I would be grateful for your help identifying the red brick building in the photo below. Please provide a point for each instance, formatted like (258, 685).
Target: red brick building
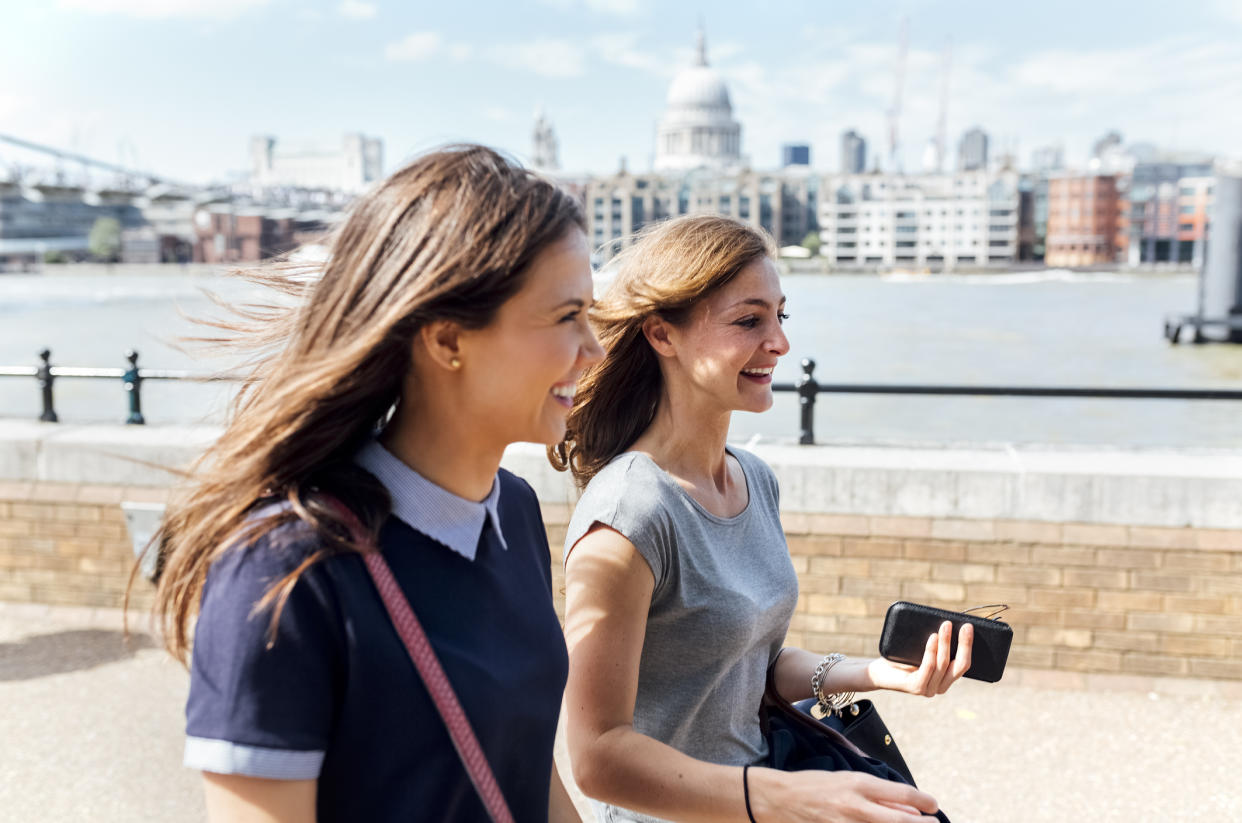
(1084, 218)
(227, 235)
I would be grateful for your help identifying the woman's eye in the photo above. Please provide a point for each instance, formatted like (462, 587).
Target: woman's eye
(781, 316)
(571, 317)
(748, 322)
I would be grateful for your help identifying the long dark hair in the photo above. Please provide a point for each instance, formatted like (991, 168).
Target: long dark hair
(449, 236)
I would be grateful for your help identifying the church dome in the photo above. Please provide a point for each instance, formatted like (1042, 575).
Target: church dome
(698, 87)
(698, 129)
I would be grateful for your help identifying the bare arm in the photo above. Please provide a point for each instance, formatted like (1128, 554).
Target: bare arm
(933, 676)
(561, 807)
(608, 594)
(235, 798)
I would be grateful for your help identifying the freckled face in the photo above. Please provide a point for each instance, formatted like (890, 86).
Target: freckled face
(729, 346)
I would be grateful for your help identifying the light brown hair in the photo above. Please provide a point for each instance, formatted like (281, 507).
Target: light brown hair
(665, 272)
(450, 236)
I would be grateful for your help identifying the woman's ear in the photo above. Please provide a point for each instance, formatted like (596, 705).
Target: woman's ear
(658, 332)
(441, 340)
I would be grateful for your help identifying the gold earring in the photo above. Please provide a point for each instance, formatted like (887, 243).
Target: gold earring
(455, 362)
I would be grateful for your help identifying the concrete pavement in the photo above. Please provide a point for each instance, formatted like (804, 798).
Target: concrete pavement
(91, 730)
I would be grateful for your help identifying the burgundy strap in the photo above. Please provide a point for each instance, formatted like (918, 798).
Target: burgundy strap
(429, 669)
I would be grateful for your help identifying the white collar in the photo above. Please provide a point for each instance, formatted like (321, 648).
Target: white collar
(433, 510)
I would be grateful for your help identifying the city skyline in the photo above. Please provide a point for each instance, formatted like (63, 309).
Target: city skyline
(179, 87)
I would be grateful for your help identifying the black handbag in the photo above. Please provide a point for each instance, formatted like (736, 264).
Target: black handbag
(862, 725)
(857, 740)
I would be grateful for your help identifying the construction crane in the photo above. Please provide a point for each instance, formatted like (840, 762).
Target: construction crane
(894, 113)
(942, 133)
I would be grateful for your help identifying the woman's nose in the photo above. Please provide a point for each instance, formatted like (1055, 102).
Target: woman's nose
(780, 343)
(592, 351)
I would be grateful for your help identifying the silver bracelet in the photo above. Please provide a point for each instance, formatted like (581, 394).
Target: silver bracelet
(829, 703)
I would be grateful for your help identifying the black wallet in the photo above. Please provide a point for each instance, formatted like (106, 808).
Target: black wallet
(908, 625)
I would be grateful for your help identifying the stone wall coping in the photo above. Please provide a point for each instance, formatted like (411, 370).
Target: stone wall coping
(98, 454)
(1151, 462)
(1176, 488)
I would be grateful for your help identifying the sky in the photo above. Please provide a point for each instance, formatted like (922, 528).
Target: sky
(177, 87)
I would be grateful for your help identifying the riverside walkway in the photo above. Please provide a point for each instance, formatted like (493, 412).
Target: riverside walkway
(92, 731)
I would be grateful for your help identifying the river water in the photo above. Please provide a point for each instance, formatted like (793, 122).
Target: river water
(1049, 328)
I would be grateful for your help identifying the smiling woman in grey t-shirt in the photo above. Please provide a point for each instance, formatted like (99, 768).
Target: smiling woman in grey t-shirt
(679, 586)
(723, 593)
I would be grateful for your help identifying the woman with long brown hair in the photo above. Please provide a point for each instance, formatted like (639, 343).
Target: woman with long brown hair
(679, 585)
(448, 321)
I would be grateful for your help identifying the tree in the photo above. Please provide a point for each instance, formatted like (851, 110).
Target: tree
(811, 243)
(104, 241)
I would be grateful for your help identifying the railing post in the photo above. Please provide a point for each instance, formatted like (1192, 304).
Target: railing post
(45, 383)
(807, 389)
(133, 387)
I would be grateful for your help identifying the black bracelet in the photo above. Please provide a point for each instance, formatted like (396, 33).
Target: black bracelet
(746, 793)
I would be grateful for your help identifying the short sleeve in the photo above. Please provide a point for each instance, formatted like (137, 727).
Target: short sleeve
(259, 705)
(625, 497)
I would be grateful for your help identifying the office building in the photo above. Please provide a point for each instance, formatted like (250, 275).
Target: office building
(352, 168)
(1083, 220)
(933, 221)
(783, 204)
(853, 153)
(795, 154)
(972, 150)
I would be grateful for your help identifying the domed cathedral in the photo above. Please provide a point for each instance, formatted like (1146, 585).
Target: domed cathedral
(698, 129)
(698, 168)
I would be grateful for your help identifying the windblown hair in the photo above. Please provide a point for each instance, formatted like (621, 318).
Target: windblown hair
(449, 236)
(669, 268)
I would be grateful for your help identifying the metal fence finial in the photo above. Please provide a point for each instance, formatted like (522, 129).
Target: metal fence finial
(45, 384)
(133, 387)
(807, 388)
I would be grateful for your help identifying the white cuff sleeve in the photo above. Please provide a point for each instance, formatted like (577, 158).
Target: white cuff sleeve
(226, 757)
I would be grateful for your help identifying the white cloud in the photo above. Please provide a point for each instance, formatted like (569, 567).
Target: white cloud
(619, 8)
(622, 49)
(547, 57)
(357, 9)
(417, 46)
(164, 9)
(424, 45)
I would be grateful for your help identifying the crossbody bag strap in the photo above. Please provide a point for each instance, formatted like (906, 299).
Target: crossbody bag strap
(429, 669)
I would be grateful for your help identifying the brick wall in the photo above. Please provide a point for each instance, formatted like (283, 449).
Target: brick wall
(1086, 600)
(1083, 598)
(67, 544)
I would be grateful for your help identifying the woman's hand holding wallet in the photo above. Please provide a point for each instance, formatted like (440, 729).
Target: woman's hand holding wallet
(908, 625)
(936, 672)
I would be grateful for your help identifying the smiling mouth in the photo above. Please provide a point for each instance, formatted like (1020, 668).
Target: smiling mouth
(564, 394)
(763, 375)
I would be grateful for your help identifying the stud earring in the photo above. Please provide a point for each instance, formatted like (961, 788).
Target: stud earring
(455, 362)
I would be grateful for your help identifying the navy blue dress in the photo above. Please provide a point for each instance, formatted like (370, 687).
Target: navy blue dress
(337, 698)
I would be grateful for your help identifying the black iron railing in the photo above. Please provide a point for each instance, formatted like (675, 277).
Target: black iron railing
(131, 380)
(806, 387)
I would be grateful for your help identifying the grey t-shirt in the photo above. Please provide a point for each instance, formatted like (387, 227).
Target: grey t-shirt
(725, 591)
